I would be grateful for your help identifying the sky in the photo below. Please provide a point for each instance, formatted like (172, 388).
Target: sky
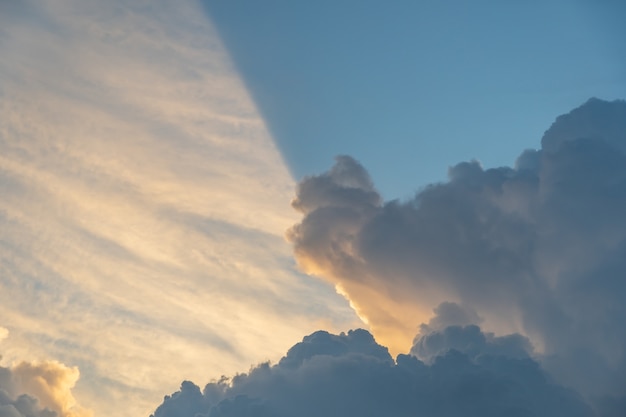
(312, 208)
(406, 87)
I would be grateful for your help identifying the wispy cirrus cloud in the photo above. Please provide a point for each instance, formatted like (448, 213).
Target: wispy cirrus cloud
(143, 203)
(49, 385)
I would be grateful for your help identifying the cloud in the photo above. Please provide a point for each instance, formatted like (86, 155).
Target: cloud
(539, 249)
(350, 374)
(451, 329)
(597, 120)
(143, 203)
(41, 389)
(450, 314)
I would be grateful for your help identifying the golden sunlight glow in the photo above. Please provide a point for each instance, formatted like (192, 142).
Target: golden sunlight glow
(143, 209)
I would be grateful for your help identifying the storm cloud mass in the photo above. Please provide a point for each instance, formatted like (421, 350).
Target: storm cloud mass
(538, 249)
(351, 375)
(524, 268)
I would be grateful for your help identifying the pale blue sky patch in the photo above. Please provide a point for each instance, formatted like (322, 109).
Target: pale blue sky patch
(412, 87)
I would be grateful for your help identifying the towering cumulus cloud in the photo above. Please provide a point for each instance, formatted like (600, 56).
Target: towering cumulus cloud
(539, 248)
(524, 270)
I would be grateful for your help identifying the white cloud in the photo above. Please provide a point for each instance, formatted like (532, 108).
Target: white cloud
(143, 203)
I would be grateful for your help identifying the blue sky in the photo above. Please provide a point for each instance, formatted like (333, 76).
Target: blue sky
(412, 87)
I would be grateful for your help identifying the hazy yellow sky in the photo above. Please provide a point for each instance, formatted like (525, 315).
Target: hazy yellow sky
(143, 208)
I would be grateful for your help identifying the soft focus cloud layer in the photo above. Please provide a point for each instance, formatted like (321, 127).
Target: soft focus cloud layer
(143, 205)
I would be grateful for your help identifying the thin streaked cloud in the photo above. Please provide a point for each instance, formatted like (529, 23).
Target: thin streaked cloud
(143, 204)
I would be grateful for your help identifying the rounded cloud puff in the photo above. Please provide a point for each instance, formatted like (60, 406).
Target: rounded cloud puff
(39, 389)
(351, 375)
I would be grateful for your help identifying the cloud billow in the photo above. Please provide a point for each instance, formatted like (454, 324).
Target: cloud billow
(39, 389)
(539, 248)
(350, 374)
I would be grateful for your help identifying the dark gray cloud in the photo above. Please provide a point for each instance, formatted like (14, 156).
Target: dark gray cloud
(539, 248)
(451, 314)
(351, 375)
(452, 328)
(597, 120)
(22, 406)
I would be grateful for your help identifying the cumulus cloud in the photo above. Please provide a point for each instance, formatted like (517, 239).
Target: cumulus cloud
(350, 374)
(39, 389)
(450, 314)
(451, 329)
(539, 249)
